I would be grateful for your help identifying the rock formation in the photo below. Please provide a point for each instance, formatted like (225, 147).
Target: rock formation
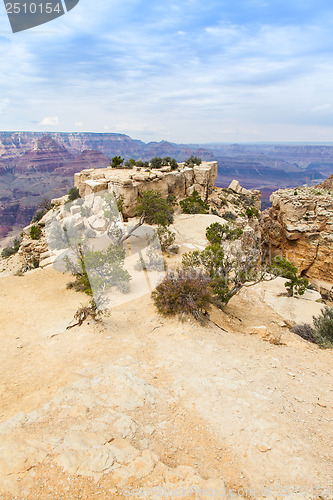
(300, 227)
(129, 183)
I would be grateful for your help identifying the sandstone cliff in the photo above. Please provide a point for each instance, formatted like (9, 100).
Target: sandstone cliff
(129, 183)
(300, 226)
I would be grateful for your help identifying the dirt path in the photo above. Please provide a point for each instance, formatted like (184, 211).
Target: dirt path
(145, 402)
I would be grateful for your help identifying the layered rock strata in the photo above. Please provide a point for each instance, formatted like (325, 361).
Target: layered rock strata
(299, 225)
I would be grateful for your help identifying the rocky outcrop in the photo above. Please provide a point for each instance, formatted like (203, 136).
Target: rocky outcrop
(328, 184)
(300, 226)
(129, 183)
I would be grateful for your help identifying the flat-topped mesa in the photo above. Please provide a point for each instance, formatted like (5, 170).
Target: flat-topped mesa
(300, 226)
(129, 183)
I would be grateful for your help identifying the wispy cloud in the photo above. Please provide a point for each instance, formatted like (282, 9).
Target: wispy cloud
(50, 120)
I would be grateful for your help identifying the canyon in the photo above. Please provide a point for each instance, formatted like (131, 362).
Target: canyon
(37, 165)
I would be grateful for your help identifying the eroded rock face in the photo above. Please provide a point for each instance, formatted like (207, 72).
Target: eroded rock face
(129, 183)
(299, 225)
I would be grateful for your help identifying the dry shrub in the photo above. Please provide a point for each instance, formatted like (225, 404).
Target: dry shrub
(184, 293)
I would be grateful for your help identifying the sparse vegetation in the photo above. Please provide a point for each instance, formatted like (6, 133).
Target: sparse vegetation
(158, 162)
(184, 293)
(73, 194)
(116, 162)
(154, 209)
(251, 212)
(192, 160)
(282, 267)
(217, 232)
(323, 326)
(43, 208)
(166, 237)
(142, 164)
(194, 204)
(305, 331)
(229, 216)
(130, 163)
(11, 249)
(35, 232)
(322, 331)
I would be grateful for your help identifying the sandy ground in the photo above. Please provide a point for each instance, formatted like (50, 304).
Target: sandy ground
(238, 408)
(140, 401)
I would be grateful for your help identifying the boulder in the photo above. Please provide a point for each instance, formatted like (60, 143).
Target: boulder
(235, 186)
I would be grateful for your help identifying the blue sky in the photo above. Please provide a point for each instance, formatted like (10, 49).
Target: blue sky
(185, 71)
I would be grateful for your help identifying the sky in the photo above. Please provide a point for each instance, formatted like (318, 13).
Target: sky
(188, 71)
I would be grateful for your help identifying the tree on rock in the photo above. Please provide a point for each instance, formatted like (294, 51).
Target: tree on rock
(116, 161)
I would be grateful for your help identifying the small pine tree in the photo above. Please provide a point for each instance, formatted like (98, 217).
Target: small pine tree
(194, 204)
(154, 209)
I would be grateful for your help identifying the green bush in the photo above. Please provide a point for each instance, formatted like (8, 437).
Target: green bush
(282, 267)
(156, 162)
(192, 160)
(216, 266)
(35, 232)
(142, 164)
(217, 232)
(154, 209)
(73, 194)
(98, 270)
(323, 327)
(251, 212)
(184, 293)
(116, 162)
(12, 249)
(194, 204)
(166, 237)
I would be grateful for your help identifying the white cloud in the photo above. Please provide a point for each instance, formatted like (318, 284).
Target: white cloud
(79, 124)
(50, 120)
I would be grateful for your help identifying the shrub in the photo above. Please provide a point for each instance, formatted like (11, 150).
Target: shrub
(120, 202)
(156, 162)
(323, 326)
(166, 237)
(251, 212)
(35, 232)
(116, 161)
(142, 164)
(154, 209)
(215, 265)
(215, 233)
(192, 160)
(73, 194)
(224, 201)
(194, 204)
(183, 293)
(12, 249)
(305, 331)
(282, 267)
(173, 164)
(45, 204)
(229, 216)
(98, 270)
(38, 216)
